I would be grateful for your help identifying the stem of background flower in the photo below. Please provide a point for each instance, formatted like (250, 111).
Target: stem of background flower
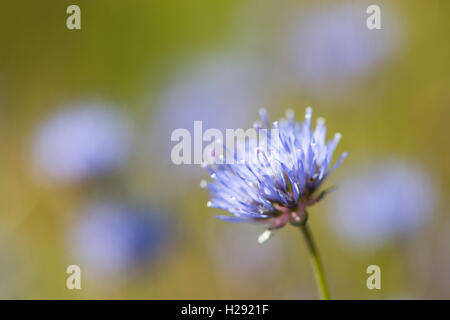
(315, 260)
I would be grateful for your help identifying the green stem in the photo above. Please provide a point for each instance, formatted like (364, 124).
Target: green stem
(315, 260)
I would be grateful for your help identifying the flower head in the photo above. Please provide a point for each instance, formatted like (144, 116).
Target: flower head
(280, 180)
(331, 46)
(408, 201)
(113, 238)
(80, 141)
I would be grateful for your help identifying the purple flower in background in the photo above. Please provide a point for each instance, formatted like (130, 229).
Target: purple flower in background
(331, 47)
(382, 202)
(112, 238)
(208, 90)
(212, 90)
(80, 141)
(278, 185)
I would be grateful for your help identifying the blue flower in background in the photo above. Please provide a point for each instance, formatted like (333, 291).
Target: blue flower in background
(278, 185)
(381, 203)
(212, 90)
(113, 238)
(208, 90)
(80, 141)
(331, 48)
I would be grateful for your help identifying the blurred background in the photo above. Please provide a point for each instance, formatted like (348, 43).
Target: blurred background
(85, 123)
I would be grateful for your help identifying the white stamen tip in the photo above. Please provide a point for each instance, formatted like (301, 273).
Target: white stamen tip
(308, 113)
(209, 204)
(203, 184)
(264, 236)
(338, 135)
(257, 125)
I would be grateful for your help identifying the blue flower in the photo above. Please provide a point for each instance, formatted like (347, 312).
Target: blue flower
(80, 141)
(212, 89)
(282, 180)
(331, 47)
(383, 202)
(113, 238)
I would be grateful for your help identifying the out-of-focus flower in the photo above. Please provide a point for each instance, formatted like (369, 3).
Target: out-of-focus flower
(80, 141)
(213, 91)
(382, 202)
(330, 47)
(114, 239)
(210, 91)
(280, 182)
